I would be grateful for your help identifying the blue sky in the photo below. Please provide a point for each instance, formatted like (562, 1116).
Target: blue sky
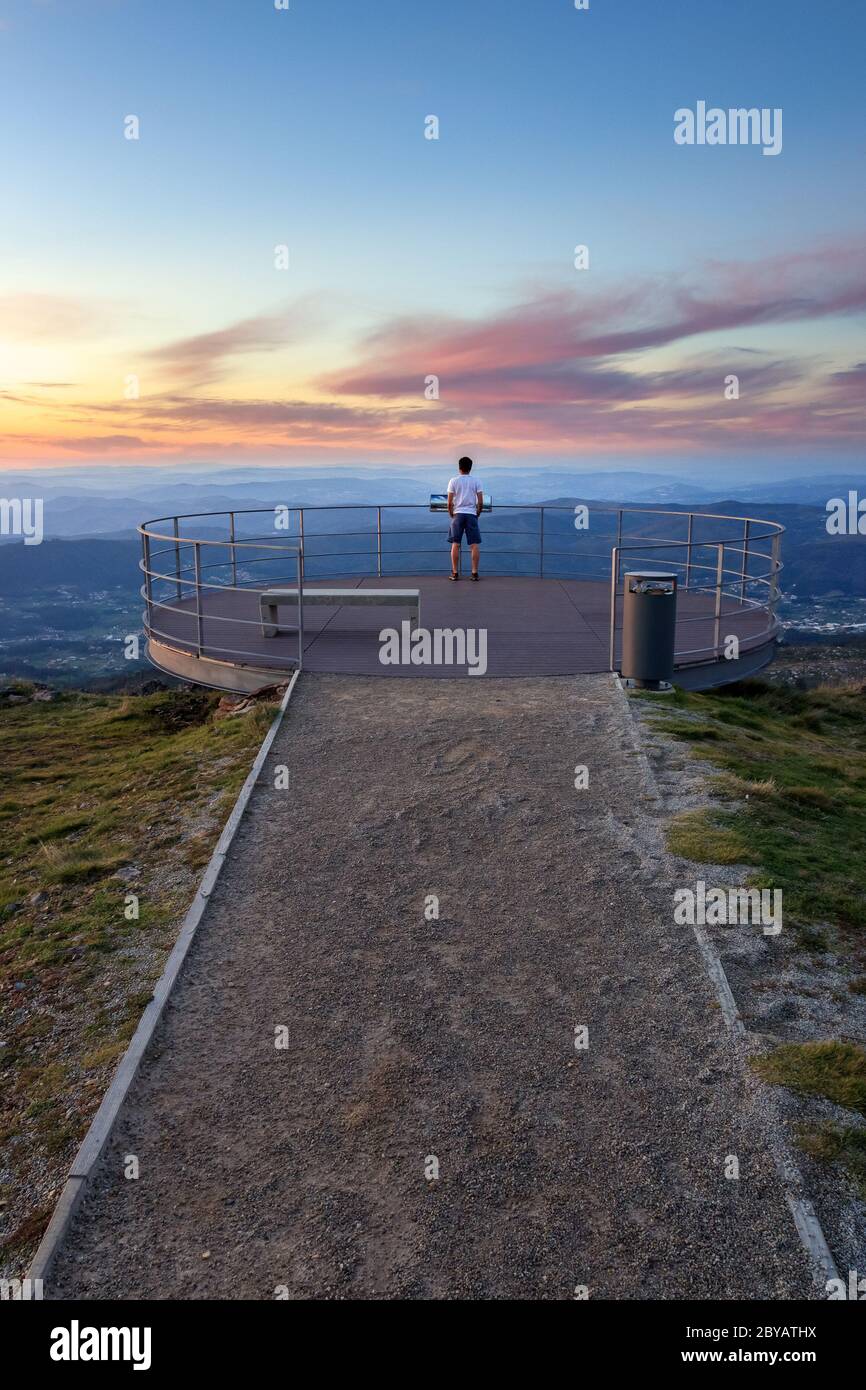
(306, 127)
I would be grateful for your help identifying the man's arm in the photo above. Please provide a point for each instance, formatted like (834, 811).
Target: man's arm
(450, 502)
(479, 501)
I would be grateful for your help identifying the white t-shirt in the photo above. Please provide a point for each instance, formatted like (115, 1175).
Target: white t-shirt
(466, 491)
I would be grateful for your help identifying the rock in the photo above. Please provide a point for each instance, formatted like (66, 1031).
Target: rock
(779, 1011)
(239, 704)
(228, 707)
(269, 693)
(36, 899)
(128, 872)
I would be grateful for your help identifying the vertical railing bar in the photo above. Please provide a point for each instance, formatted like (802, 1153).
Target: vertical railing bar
(300, 566)
(689, 550)
(198, 608)
(720, 572)
(541, 548)
(614, 580)
(774, 577)
(379, 541)
(744, 568)
(148, 587)
(233, 542)
(301, 535)
(177, 556)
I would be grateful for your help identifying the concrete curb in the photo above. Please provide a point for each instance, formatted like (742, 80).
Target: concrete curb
(103, 1121)
(806, 1220)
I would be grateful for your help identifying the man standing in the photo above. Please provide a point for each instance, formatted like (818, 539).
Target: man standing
(465, 500)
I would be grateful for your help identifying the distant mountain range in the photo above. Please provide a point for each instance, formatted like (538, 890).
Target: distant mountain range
(81, 503)
(816, 564)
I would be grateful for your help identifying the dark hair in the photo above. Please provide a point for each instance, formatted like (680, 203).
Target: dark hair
(464, 464)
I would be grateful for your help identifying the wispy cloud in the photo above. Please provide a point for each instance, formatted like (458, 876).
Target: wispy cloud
(41, 318)
(103, 443)
(572, 345)
(639, 367)
(204, 357)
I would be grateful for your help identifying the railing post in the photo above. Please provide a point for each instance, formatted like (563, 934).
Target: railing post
(148, 588)
(379, 541)
(774, 578)
(541, 548)
(744, 568)
(198, 608)
(301, 537)
(689, 550)
(300, 563)
(720, 574)
(177, 558)
(619, 528)
(234, 550)
(614, 579)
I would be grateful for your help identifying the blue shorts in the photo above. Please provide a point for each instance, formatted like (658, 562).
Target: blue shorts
(467, 523)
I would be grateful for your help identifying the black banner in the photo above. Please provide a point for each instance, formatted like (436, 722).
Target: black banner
(158, 1337)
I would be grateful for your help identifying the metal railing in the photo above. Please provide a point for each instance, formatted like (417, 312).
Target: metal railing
(725, 565)
(186, 620)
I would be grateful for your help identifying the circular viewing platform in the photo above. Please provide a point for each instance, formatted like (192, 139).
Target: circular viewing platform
(549, 601)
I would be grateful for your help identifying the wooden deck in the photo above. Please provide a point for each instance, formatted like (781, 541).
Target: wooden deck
(535, 627)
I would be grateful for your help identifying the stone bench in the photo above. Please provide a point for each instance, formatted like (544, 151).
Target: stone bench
(269, 599)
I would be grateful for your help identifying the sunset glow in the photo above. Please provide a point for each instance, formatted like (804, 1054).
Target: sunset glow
(143, 315)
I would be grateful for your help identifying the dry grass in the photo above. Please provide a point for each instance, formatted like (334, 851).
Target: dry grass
(835, 1070)
(696, 835)
(104, 796)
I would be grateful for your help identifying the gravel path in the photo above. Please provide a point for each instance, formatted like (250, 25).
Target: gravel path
(306, 1168)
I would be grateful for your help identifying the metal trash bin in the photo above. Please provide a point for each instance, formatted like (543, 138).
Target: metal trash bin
(649, 621)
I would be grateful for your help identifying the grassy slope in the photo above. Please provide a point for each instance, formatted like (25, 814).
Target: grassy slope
(101, 796)
(792, 763)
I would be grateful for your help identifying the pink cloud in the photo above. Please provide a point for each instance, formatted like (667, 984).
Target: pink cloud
(568, 371)
(570, 345)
